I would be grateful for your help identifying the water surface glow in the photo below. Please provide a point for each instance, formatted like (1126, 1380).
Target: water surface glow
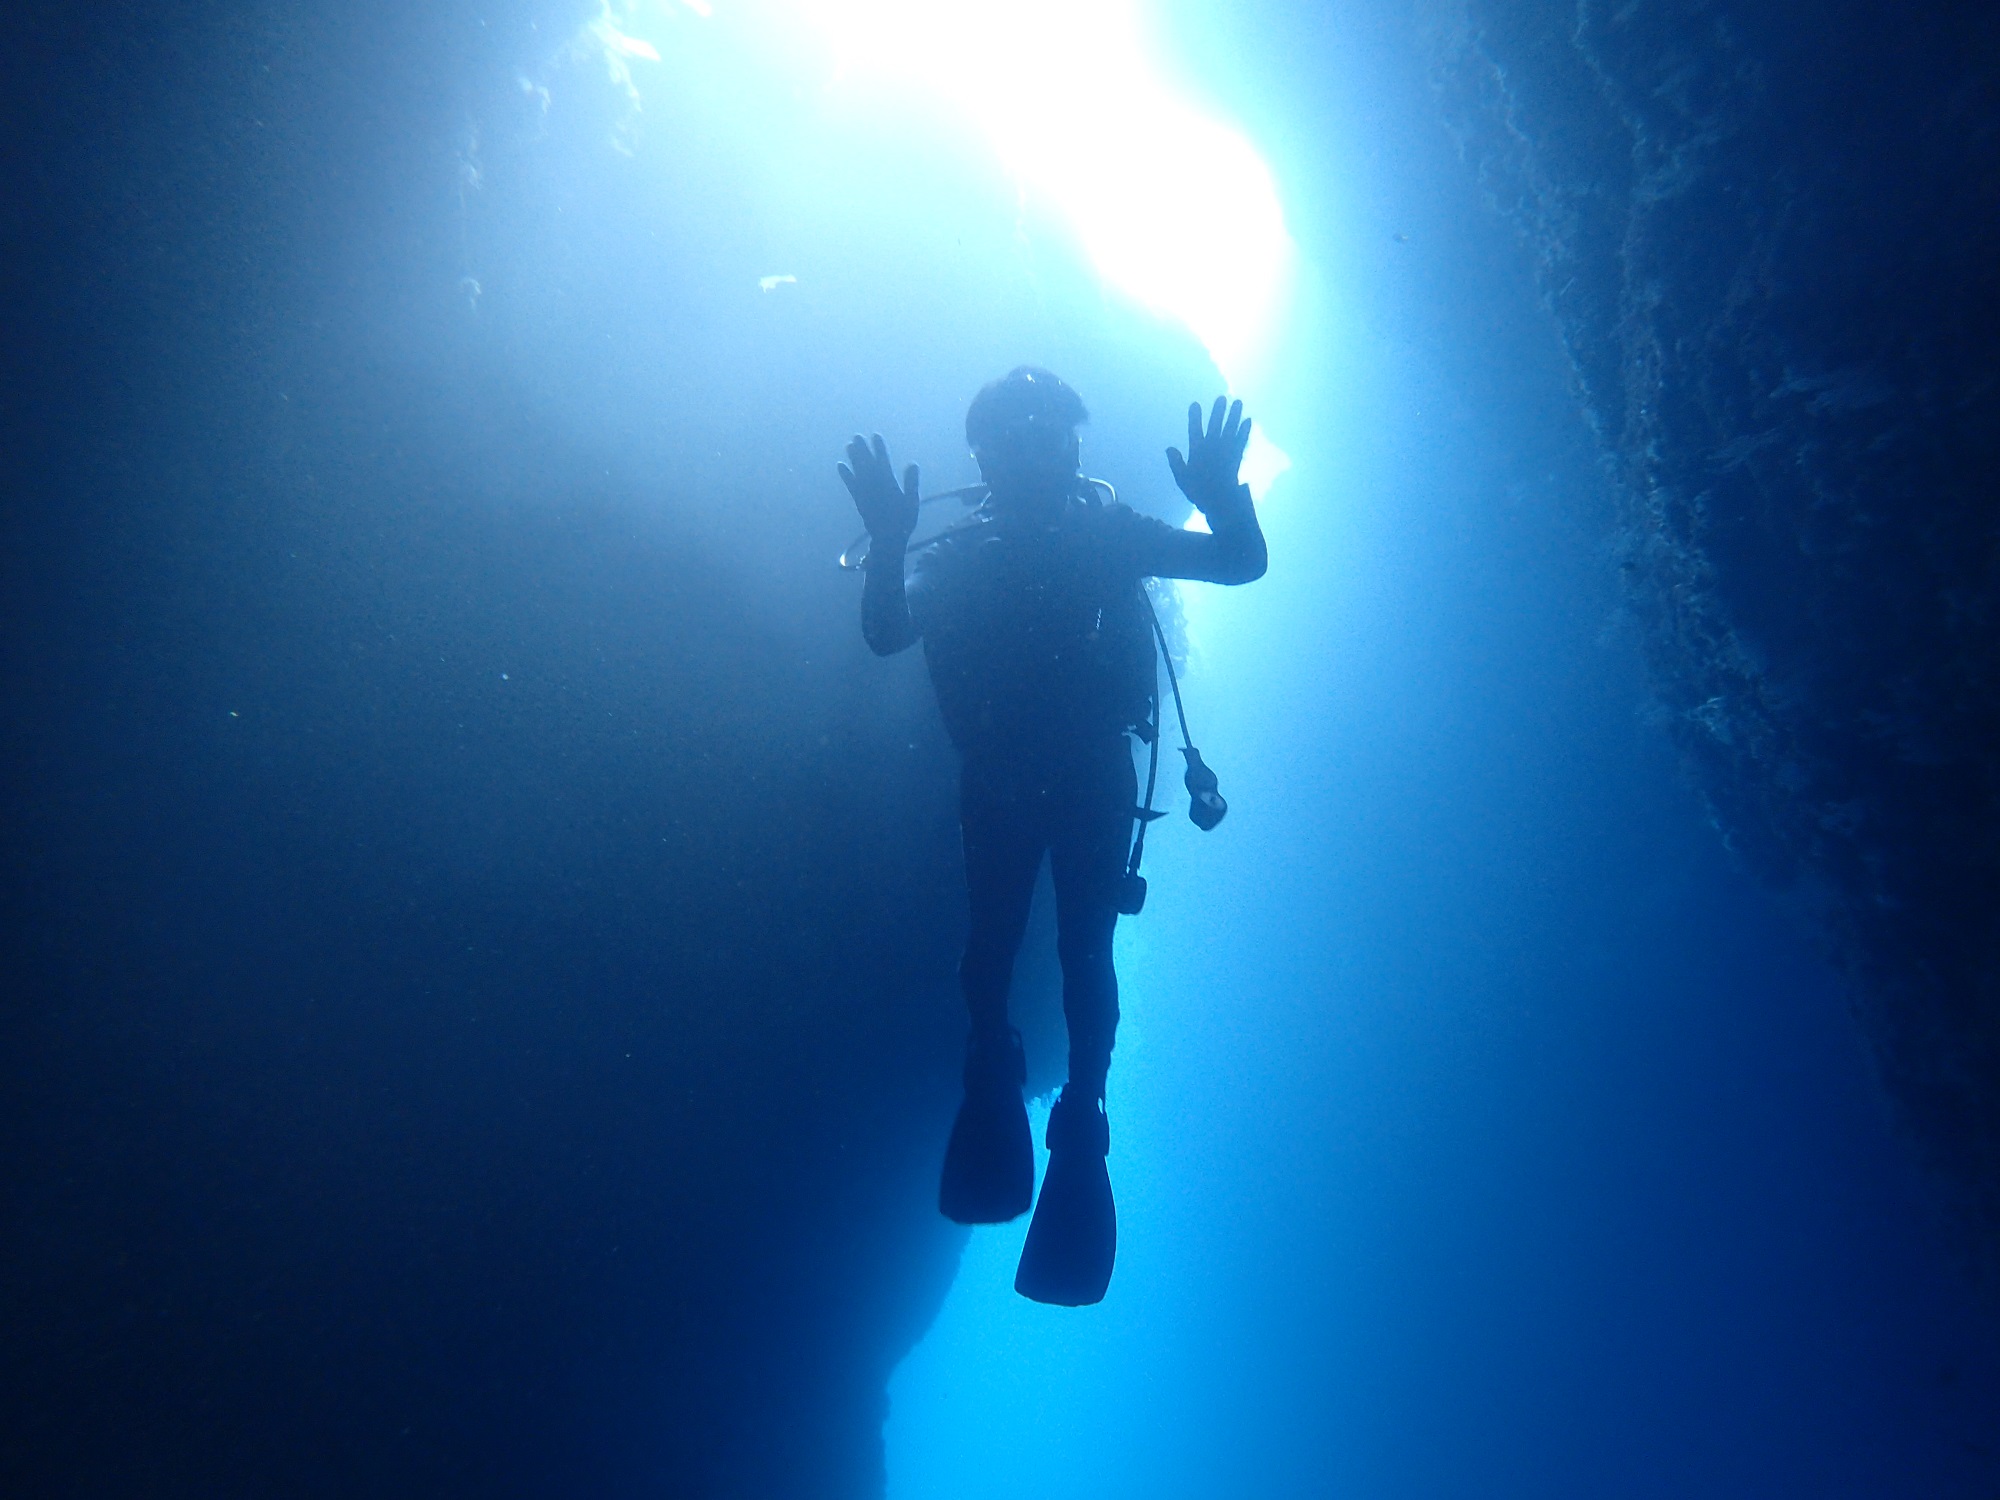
(1172, 206)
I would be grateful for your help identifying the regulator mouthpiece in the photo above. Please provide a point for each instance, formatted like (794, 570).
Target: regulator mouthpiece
(1206, 807)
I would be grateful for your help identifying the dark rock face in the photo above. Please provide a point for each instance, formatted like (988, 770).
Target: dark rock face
(477, 943)
(478, 927)
(1770, 234)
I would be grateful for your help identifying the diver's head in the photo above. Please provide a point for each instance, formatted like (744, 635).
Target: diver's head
(1022, 428)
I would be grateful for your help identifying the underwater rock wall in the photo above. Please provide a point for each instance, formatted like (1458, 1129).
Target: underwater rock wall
(1770, 236)
(477, 929)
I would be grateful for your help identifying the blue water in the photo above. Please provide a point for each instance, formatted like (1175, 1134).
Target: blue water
(486, 922)
(1479, 1128)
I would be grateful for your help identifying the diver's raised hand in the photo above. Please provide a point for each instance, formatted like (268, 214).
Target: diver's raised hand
(1207, 476)
(889, 513)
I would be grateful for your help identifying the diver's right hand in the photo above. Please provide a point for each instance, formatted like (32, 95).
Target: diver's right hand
(889, 513)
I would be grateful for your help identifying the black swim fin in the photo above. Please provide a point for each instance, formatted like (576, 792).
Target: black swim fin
(989, 1164)
(1073, 1238)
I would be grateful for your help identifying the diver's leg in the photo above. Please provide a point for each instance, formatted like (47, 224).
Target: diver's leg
(989, 1163)
(1003, 853)
(1087, 851)
(1074, 1237)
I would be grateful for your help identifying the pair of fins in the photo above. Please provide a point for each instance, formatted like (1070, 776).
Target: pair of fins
(989, 1177)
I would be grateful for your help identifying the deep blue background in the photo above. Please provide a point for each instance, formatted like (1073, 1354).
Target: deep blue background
(479, 924)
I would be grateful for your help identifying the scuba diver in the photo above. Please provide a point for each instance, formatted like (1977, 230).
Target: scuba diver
(1039, 640)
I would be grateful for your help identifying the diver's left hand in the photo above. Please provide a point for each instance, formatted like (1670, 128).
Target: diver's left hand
(1207, 476)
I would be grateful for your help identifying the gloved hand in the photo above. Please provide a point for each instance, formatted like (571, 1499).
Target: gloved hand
(889, 513)
(1207, 476)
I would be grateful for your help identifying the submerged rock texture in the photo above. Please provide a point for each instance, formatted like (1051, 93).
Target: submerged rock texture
(478, 926)
(1770, 234)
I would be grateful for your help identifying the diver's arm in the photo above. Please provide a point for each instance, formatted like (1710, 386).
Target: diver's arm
(885, 604)
(1231, 551)
(890, 513)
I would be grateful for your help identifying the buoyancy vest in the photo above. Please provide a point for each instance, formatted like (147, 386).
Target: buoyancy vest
(1037, 635)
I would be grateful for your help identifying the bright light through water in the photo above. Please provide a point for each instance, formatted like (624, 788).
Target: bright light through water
(1066, 94)
(1175, 211)
(1173, 207)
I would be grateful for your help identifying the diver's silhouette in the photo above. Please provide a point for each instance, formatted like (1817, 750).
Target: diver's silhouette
(1037, 634)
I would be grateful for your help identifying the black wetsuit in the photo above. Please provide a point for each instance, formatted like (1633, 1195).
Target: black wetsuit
(1040, 649)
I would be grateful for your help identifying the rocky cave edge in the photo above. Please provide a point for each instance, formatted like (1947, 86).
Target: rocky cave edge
(1770, 237)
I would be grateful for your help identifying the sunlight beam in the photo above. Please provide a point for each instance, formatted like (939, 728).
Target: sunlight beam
(1173, 207)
